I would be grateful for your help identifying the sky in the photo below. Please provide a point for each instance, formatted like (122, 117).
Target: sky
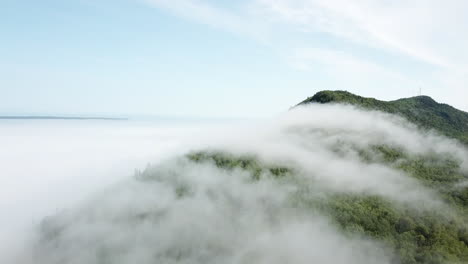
(207, 58)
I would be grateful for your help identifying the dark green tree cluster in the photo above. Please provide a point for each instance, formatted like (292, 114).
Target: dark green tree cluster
(415, 237)
(440, 172)
(249, 163)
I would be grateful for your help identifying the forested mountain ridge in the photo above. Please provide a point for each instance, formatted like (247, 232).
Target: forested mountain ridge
(420, 110)
(326, 183)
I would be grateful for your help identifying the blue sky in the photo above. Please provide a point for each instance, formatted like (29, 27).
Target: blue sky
(207, 58)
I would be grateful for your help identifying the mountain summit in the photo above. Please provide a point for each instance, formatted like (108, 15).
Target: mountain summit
(420, 110)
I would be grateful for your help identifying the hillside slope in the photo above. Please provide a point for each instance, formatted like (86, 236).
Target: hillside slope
(421, 110)
(326, 183)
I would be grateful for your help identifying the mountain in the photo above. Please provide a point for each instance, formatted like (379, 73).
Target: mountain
(420, 110)
(320, 184)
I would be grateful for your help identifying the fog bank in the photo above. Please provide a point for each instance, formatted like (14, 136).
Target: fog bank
(182, 211)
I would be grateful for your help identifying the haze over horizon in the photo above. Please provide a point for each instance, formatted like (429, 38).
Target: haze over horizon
(248, 58)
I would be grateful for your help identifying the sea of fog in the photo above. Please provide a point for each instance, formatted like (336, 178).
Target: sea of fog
(49, 165)
(79, 176)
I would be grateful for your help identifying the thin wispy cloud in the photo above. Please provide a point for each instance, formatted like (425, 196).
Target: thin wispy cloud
(429, 33)
(207, 13)
(399, 26)
(339, 61)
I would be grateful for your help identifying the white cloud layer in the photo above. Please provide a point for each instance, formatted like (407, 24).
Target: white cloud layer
(50, 165)
(179, 211)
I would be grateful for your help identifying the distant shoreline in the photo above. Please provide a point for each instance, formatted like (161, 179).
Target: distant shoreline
(62, 118)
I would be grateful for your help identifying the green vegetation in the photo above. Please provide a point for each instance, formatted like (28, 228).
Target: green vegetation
(414, 236)
(250, 164)
(436, 171)
(420, 110)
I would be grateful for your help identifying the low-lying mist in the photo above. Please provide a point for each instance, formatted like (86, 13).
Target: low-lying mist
(244, 193)
(47, 166)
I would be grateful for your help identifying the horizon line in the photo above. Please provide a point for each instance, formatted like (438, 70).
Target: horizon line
(58, 117)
